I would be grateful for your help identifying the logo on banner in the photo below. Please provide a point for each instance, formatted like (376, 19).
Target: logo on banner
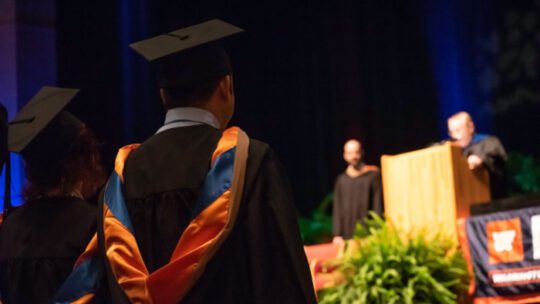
(505, 242)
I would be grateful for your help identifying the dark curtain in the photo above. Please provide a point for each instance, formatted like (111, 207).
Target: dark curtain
(516, 66)
(307, 77)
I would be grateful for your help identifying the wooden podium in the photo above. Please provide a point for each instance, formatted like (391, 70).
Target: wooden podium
(431, 188)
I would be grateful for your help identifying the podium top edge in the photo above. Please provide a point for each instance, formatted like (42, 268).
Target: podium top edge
(429, 150)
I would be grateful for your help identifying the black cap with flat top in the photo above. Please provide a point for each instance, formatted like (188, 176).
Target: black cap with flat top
(36, 115)
(190, 55)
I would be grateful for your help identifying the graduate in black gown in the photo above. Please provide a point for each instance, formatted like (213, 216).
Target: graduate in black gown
(262, 260)
(357, 191)
(40, 240)
(481, 150)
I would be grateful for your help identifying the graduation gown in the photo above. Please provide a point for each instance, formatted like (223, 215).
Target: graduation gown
(354, 197)
(261, 261)
(494, 157)
(39, 243)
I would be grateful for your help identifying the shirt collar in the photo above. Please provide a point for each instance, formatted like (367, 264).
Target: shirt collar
(188, 116)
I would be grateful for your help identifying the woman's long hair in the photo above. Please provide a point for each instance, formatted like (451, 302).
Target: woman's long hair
(82, 164)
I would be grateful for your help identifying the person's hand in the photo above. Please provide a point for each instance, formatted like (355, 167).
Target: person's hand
(337, 240)
(474, 161)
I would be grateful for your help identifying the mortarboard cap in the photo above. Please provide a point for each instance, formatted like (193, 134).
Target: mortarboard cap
(190, 55)
(37, 115)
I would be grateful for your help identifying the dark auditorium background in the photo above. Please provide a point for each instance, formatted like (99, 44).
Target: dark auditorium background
(308, 74)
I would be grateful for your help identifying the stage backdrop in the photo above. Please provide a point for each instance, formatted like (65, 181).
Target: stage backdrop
(310, 74)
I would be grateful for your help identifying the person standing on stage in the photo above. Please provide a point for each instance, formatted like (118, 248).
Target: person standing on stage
(357, 191)
(481, 150)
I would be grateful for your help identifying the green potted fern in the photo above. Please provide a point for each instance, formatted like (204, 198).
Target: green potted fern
(390, 267)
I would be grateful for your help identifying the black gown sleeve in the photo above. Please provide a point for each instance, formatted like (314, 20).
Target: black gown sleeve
(377, 195)
(336, 209)
(278, 263)
(493, 155)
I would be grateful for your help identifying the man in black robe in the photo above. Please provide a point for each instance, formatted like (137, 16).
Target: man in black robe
(262, 260)
(481, 150)
(357, 191)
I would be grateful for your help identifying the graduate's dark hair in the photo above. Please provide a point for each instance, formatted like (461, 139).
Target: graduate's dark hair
(190, 96)
(62, 174)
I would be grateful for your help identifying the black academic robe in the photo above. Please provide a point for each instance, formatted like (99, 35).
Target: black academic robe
(262, 260)
(39, 244)
(354, 197)
(493, 156)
